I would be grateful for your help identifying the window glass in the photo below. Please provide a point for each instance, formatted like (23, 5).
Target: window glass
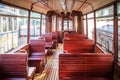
(65, 25)
(60, 24)
(44, 16)
(119, 38)
(118, 31)
(13, 28)
(53, 23)
(90, 25)
(118, 7)
(43, 24)
(21, 12)
(34, 25)
(105, 12)
(76, 23)
(70, 25)
(10, 24)
(104, 29)
(15, 23)
(23, 27)
(35, 15)
(85, 24)
(90, 15)
(4, 23)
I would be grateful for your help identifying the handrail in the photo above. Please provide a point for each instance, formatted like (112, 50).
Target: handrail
(88, 3)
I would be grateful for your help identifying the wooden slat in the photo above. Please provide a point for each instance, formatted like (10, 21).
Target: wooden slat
(85, 65)
(51, 68)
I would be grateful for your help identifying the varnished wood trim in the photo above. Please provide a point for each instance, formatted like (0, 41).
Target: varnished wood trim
(86, 26)
(109, 4)
(94, 27)
(82, 5)
(28, 37)
(115, 32)
(98, 49)
(40, 24)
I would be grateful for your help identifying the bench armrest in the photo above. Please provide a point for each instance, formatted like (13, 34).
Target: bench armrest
(31, 72)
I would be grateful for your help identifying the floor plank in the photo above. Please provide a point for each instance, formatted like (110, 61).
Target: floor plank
(51, 68)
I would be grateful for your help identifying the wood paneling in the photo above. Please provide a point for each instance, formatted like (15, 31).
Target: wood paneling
(97, 49)
(116, 72)
(58, 6)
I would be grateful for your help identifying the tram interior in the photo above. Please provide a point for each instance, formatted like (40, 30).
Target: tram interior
(59, 40)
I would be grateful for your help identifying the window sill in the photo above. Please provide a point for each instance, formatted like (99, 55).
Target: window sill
(118, 64)
(18, 48)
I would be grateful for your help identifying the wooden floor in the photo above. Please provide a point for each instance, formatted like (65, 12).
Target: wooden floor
(51, 68)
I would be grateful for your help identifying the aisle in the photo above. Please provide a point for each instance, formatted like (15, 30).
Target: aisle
(51, 69)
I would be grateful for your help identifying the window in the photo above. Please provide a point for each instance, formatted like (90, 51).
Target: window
(60, 24)
(76, 23)
(90, 25)
(15, 23)
(85, 24)
(104, 28)
(70, 25)
(20, 37)
(10, 23)
(53, 23)
(23, 27)
(118, 39)
(4, 24)
(118, 31)
(35, 25)
(65, 25)
(105, 12)
(43, 24)
(13, 28)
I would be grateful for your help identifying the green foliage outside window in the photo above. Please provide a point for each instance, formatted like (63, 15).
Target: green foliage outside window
(23, 13)
(105, 12)
(118, 7)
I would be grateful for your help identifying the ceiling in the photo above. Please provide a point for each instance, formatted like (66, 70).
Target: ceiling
(43, 6)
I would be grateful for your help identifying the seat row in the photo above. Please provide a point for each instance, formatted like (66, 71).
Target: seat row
(15, 67)
(85, 66)
(37, 53)
(31, 58)
(78, 43)
(84, 60)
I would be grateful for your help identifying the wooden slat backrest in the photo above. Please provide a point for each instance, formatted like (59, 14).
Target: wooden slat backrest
(84, 43)
(1, 75)
(37, 45)
(82, 46)
(80, 50)
(14, 65)
(85, 65)
(48, 37)
(55, 36)
(75, 36)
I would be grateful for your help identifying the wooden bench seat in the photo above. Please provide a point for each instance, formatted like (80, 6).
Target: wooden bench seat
(14, 79)
(37, 57)
(85, 66)
(81, 46)
(55, 39)
(48, 42)
(36, 53)
(15, 67)
(48, 39)
(78, 50)
(37, 46)
(38, 62)
(75, 36)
